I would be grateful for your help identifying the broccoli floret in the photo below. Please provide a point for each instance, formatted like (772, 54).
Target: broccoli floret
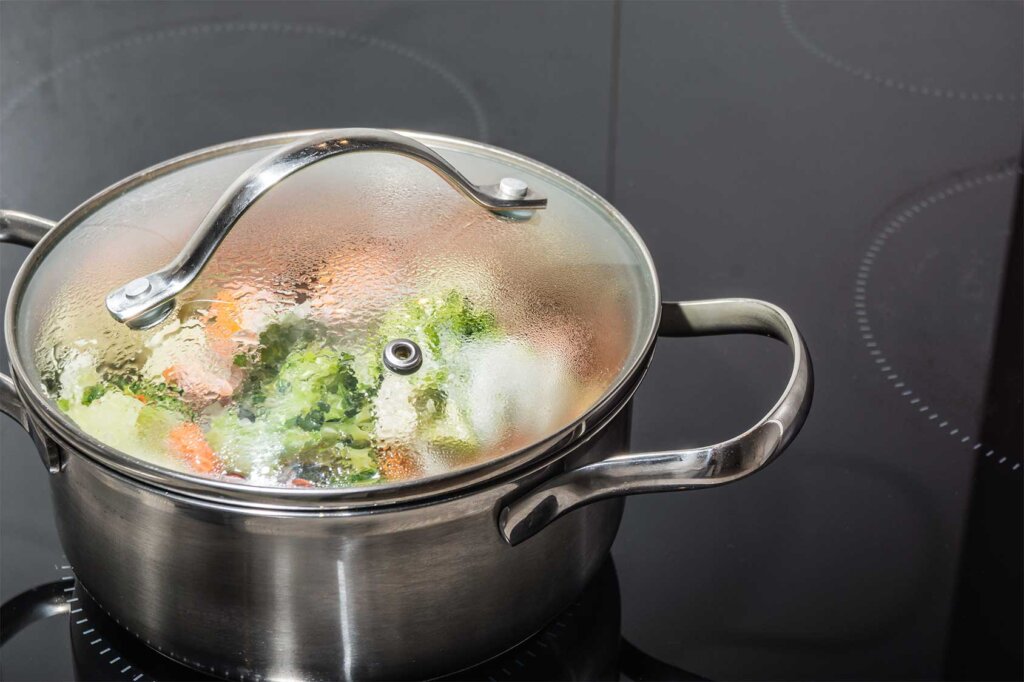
(342, 466)
(302, 401)
(92, 393)
(452, 435)
(455, 315)
(315, 384)
(276, 343)
(157, 393)
(432, 321)
(440, 325)
(429, 396)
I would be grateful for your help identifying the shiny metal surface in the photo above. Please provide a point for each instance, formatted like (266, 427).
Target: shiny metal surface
(22, 228)
(13, 407)
(10, 401)
(61, 430)
(413, 591)
(146, 301)
(25, 229)
(683, 469)
(402, 356)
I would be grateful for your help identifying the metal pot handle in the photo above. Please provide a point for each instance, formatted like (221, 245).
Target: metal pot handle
(22, 228)
(25, 230)
(683, 469)
(147, 300)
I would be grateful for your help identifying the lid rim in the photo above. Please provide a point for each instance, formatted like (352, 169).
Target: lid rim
(356, 497)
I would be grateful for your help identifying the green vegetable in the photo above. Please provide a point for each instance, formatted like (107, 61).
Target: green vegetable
(154, 424)
(308, 407)
(315, 383)
(301, 402)
(344, 466)
(92, 393)
(153, 392)
(429, 396)
(440, 325)
(433, 322)
(276, 343)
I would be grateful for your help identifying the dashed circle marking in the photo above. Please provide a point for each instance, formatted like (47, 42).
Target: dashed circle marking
(884, 80)
(861, 287)
(202, 30)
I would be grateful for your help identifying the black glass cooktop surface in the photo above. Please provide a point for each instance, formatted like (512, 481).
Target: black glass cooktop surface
(857, 163)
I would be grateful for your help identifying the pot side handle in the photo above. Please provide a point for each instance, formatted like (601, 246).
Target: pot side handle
(702, 467)
(22, 228)
(25, 230)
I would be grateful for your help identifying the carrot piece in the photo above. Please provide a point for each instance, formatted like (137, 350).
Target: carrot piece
(301, 483)
(172, 375)
(225, 316)
(395, 464)
(141, 398)
(188, 444)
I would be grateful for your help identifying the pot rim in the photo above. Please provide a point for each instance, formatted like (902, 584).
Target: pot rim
(447, 484)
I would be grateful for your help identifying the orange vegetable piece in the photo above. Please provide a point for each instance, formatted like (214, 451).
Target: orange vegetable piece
(396, 464)
(225, 318)
(172, 375)
(301, 483)
(188, 444)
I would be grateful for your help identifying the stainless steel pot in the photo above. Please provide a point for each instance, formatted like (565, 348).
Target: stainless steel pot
(412, 581)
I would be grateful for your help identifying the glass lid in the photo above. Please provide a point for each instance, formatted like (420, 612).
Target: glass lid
(281, 313)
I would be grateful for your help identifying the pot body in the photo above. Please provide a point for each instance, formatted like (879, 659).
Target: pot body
(397, 593)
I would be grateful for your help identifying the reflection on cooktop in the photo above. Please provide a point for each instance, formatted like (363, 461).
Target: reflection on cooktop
(582, 643)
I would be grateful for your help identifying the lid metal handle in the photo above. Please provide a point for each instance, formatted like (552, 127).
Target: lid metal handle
(148, 300)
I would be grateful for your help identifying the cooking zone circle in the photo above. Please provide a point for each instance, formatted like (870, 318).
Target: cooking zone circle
(216, 31)
(901, 23)
(94, 99)
(910, 222)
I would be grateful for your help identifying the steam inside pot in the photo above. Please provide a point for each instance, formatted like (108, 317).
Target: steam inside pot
(270, 369)
(243, 389)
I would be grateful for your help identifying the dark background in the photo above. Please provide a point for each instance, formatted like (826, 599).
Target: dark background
(855, 162)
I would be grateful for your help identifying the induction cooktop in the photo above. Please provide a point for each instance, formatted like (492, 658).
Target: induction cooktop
(857, 163)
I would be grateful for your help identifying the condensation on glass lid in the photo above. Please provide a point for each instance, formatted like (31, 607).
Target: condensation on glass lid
(278, 379)
(270, 370)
